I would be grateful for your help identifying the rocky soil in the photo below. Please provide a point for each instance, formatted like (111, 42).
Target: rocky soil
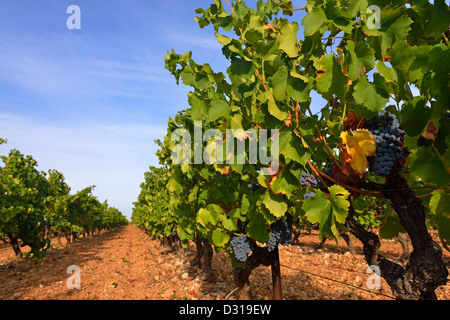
(126, 264)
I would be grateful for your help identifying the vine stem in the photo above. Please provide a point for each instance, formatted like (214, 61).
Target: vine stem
(445, 39)
(425, 195)
(316, 172)
(256, 125)
(328, 148)
(231, 8)
(260, 77)
(356, 190)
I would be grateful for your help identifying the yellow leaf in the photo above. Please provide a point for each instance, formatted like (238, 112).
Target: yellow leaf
(358, 145)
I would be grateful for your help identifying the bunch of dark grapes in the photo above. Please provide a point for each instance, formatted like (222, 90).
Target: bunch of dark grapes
(308, 180)
(242, 246)
(389, 143)
(280, 233)
(309, 195)
(253, 187)
(174, 231)
(328, 171)
(274, 239)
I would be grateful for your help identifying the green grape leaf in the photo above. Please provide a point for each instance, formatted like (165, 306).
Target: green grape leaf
(440, 203)
(391, 227)
(206, 217)
(257, 228)
(356, 7)
(443, 225)
(415, 116)
(285, 182)
(362, 59)
(198, 107)
(219, 109)
(299, 88)
(374, 96)
(314, 20)
(223, 40)
(339, 17)
(426, 163)
(330, 79)
(438, 19)
(440, 214)
(394, 27)
(288, 39)
(389, 74)
(328, 212)
(219, 238)
(279, 84)
(340, 204)
(275, 203)
(229, 224)
(291, 147)
(240, 71)
(273, 108)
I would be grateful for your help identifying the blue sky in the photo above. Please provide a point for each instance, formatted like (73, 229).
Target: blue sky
(90, 103)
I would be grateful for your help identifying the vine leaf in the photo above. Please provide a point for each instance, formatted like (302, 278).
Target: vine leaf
(288, 39)
(284, 182)
(330, 78)
(279, 83)
(220, 237)
(431, 131)
(440, 214)
(219, 108)
(391, 227)
(373, 96)
(275, 203)
(415, 116)
(199, 108)
(314, 20)
(273, 108)
(426, 163)
(362, 58)
(257, 228)
(328, 212)
(358, 145)
(353, 122)
(292, 147)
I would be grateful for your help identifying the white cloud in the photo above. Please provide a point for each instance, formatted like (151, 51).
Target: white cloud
(57, 65)
(197, 41)
(113, 157)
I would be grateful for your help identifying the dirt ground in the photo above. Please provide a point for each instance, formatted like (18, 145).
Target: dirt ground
(126, 264)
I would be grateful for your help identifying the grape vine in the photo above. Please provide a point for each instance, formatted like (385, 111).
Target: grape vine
(358, 147)
(389, 143)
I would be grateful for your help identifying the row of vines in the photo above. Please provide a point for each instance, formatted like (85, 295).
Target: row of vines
(37, 207)
(376, 153)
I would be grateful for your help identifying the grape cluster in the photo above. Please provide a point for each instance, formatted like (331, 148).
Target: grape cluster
(280, 233)
(389, 143)
(308, 180)
(242, 247)
(273, 240)
(328, 171)
(308, 195)
(253, 187)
